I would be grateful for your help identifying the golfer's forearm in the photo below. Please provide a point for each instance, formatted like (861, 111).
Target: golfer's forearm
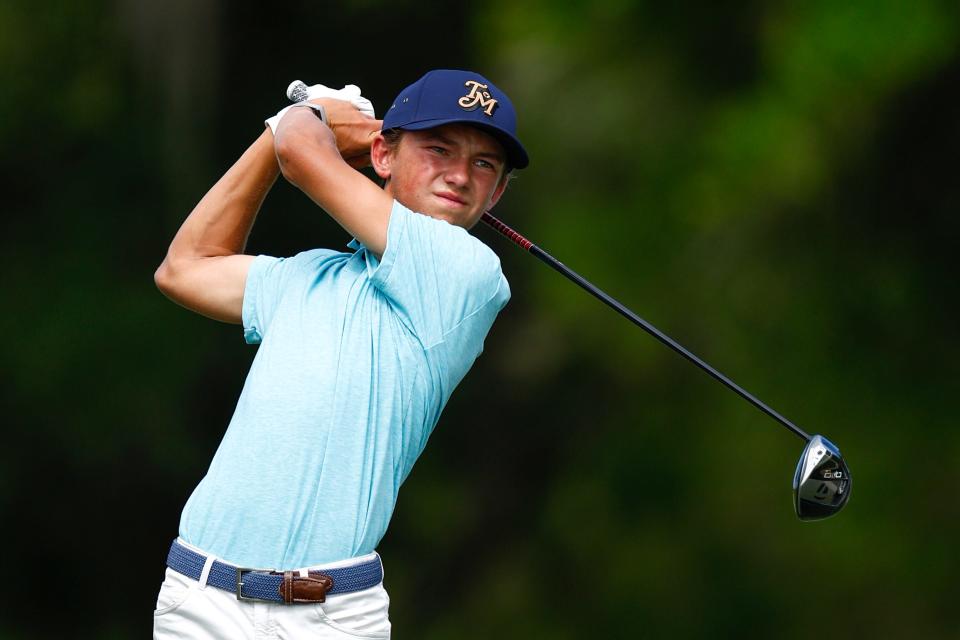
(221, 222)
(300, 137)
(308, 155)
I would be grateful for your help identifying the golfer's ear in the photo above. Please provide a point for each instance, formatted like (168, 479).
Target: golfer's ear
(381, 156)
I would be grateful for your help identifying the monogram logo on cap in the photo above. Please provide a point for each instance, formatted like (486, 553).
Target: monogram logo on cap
(477, 98)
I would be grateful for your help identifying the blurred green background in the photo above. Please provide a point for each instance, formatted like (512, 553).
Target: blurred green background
(774, 184)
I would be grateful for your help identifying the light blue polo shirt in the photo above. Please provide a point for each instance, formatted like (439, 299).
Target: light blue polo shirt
(357, 359)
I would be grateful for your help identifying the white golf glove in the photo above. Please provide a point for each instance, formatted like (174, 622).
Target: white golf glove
(350, 93)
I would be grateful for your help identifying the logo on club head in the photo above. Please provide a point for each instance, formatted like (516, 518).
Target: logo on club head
(833, 474)
(477, 98)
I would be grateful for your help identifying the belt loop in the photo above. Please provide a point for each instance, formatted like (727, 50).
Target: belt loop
(206, 571)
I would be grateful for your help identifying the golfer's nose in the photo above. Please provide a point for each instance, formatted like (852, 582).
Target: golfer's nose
(458, 172)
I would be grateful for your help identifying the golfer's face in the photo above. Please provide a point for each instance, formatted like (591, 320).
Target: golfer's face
(451, 172)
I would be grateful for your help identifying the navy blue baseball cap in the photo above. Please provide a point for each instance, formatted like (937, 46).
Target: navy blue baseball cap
(445, 96)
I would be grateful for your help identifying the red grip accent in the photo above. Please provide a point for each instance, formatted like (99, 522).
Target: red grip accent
(522, 242)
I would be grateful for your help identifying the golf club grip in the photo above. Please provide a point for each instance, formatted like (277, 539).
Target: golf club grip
(572, 275)
(297, 91)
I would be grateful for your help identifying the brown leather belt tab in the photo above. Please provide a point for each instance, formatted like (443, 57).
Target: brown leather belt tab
(298, 589)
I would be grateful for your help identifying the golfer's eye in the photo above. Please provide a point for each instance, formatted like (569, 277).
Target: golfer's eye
(485, 165)
(439, 150)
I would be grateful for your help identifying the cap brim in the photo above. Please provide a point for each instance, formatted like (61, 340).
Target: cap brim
(516, 155)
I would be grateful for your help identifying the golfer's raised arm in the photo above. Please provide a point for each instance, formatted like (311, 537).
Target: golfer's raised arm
(310, 159)
(204, 269)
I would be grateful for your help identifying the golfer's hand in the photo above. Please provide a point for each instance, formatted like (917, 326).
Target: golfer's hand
(350, 93)
(354, 130)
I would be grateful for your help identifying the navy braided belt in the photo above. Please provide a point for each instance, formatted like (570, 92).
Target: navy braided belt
(276, 586)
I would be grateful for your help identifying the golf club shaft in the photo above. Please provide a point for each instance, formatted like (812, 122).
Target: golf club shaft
(545, 257)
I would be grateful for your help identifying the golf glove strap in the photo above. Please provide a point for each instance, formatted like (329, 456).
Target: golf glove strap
(350, 93)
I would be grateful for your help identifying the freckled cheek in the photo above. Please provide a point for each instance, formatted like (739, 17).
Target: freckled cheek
(432, 164)
(487, 184)
(420, 182)
(428, 172)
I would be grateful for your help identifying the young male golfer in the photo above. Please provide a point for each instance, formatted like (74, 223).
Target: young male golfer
(359, 353)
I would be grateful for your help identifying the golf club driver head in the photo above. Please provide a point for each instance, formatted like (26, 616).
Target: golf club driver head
(821, 485)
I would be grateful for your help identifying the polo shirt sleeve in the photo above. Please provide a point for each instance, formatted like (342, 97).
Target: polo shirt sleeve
(446, 283)
(265, 280)
(268, 280)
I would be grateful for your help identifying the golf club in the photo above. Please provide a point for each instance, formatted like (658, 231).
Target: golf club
(821, 483)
